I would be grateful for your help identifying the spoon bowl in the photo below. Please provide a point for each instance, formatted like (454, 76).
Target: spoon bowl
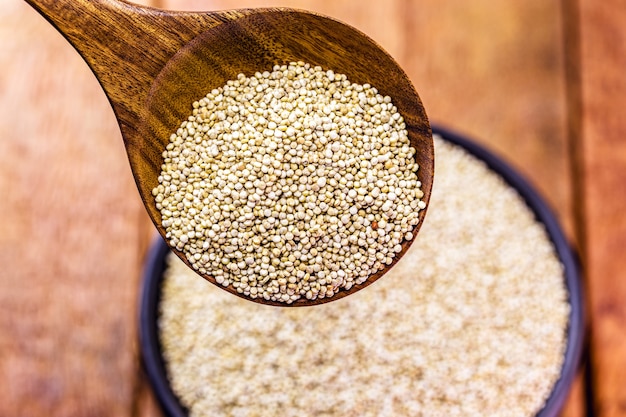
(153, 64)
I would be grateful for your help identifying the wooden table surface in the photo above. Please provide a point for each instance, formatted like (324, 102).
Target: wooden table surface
(541, 82)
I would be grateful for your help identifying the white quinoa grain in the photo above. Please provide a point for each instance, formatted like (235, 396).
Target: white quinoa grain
(471, 322)
(278, 162)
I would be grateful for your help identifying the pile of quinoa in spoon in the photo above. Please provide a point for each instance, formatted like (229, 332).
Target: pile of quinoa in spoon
(291, 183)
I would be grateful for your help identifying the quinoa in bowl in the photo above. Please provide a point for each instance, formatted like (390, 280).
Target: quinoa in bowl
(483, 317)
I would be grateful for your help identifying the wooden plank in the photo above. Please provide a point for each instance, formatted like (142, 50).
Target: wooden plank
(71, 226)
(575, 406)
(597, 45)
(145, 402)
(68, 332)
(495, 71)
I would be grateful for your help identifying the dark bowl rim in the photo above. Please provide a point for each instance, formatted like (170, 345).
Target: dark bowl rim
(150, 350)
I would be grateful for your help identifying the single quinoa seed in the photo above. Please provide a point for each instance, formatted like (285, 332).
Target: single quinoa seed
(271, 183)
(478, 329)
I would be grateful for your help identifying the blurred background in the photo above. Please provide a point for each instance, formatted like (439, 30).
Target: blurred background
(540, 82)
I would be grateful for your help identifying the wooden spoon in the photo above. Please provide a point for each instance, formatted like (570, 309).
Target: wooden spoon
(153, 64)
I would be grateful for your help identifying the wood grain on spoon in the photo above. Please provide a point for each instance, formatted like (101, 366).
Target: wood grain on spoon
(152, 65)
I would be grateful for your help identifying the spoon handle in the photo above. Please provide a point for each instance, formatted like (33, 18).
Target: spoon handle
(123, 44)
(126, 45)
